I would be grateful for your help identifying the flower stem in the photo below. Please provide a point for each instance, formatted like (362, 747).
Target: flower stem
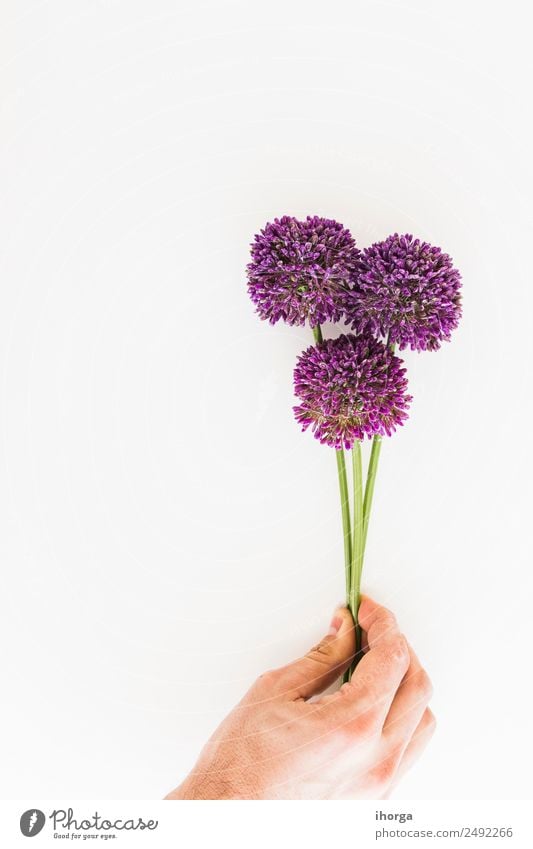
(370, 481)
(345, 510)
(372, 470)
(357, 542)
(317, 333)
(345, 505)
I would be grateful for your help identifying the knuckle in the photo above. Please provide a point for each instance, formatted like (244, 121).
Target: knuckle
(387, 616)
(395, 648)
(401, 645)
(430, 722)
(267, 679)
(363, 718)
(366, 722)
(357, 717)
(321, 653)
(386, 622)
(423, 684)
(383, 772)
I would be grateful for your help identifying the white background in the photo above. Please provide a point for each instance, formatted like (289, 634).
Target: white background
(166, 530)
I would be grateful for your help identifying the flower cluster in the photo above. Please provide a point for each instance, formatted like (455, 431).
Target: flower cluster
(350, 387)
(401, 290)
(408, 291)
(399, 293)
(302, 270)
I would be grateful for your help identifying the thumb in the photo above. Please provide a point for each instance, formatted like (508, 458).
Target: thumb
(323, 664)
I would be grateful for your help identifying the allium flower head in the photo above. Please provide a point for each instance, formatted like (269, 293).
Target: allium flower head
(350, 387)
(301, 270)
(408, 290)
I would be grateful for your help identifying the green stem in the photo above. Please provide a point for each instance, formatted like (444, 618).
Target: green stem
(370, 482)
(372, 471)
(345, 510)
(345, 503)
(357, 541)
(317, 333)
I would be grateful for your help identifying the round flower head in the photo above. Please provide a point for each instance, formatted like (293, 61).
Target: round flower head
(301, 270)
(350, 387)
(408, 290)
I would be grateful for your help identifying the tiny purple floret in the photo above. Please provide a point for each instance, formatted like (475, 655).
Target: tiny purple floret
(350, 387)
(301, 270)
(407, 291)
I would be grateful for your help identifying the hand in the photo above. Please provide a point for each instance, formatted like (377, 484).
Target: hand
(281, 743)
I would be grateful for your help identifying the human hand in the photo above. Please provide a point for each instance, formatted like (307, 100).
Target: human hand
(280, 743)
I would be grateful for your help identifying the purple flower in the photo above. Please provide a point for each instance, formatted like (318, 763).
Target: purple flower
(350, 387)
(408, 290)
(301, 270)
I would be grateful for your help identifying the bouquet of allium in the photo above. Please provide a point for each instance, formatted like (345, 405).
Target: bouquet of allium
(401, 293)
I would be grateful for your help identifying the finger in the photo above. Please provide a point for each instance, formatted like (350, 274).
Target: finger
(418, 742)
(375, 620)
(363, 703)
(409, 703)
(320, 667)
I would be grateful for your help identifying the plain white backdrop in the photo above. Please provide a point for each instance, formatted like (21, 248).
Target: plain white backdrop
(166, 532)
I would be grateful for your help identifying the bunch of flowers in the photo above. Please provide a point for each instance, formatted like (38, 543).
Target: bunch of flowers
(398, 293)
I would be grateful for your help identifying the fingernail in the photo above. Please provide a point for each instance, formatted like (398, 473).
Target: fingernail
(335, 625)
